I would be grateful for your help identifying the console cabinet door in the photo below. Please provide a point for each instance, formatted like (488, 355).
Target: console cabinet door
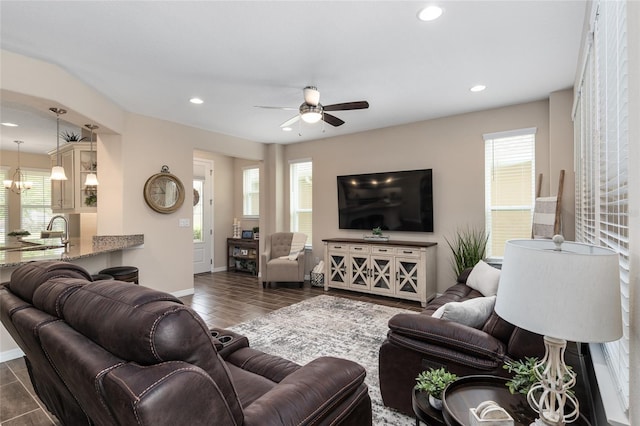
(382, 274)
(359, 271)
(407, 277)
(337, 268)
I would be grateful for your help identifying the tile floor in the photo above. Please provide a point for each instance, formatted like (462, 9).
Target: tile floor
(221, 298)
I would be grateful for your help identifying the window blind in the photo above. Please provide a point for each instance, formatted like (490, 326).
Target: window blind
(509, 187)
(35, 204)
(301, 176)
(4, 208)
(251, 191)
(602, 149)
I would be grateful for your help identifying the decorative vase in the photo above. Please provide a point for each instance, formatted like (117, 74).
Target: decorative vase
(435, 402)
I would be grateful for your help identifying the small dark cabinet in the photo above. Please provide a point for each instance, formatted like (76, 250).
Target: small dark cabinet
(243, 255)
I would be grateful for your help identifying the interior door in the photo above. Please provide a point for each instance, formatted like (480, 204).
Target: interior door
(202, 216)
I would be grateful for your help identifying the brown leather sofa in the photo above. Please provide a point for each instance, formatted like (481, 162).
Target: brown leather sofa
(417, 341)
(114, 353)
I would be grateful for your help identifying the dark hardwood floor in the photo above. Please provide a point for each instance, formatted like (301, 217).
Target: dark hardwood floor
(222, 299)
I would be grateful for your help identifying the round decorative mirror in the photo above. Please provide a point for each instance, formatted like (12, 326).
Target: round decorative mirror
(164, 192)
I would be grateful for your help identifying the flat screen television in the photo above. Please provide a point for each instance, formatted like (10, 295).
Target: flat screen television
(393, 201)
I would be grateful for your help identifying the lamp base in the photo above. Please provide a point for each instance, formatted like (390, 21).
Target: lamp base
(552, 396)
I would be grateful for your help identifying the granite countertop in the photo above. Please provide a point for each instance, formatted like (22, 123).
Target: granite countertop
(78, 249)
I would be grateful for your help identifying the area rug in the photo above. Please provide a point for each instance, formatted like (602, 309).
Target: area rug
(329, 326)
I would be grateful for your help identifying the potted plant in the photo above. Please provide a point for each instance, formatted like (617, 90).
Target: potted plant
(433, 382)
(72, 137)
(377, 231)
(256, 232)
(524, 374)
(468, 247)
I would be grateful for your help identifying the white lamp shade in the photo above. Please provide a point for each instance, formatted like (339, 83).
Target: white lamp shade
(57, 173)
(7, 183)
(571, 294)
(91, 180)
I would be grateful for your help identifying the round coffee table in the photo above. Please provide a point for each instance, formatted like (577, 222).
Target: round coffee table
(424, 412)
(468, 392)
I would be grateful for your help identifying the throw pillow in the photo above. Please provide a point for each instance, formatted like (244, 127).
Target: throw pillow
(473, 312)
(484, 278)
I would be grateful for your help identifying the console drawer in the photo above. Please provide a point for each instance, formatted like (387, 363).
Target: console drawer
(407, 252)
(360, 249)
(383, 250)
(338, 247)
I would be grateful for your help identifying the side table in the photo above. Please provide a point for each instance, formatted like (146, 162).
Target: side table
(468, 392)
(424, 412)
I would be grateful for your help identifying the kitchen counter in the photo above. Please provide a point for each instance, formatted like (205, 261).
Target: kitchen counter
(79, 248)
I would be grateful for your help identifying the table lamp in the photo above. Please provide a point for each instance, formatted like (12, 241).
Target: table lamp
(563, 291)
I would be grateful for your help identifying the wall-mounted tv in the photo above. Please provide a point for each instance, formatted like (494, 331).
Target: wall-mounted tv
(393, 201)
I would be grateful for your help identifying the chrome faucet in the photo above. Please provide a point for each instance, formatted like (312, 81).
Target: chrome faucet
(64, 239)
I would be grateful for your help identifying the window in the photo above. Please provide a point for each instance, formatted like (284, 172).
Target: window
(301, 174)
(601, 146)
(35, 204)
(251, 192)
(4, 208)
(198, 211)
(509, 187)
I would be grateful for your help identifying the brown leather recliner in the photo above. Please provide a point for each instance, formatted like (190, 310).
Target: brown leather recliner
(114, 353)
(417, 341)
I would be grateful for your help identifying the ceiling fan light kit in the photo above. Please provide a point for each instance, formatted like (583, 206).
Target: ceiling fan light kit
(310, 113)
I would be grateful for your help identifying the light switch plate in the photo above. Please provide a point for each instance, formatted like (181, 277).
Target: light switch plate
(184, 223)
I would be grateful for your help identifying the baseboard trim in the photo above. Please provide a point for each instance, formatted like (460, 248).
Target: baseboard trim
(11, 354)
(185, 292)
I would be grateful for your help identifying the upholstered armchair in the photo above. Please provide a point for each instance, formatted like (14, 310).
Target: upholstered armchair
(283, 258)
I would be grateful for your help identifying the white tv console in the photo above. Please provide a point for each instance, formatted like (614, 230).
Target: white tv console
(402, 269)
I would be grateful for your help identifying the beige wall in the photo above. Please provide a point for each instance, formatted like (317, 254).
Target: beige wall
(453, 147)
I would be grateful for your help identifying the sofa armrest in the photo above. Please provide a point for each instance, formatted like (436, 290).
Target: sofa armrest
(309, 394)
(424, 331)
(169, 393)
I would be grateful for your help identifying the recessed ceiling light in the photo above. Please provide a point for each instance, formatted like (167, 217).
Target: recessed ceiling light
(478, 88)
(9, 124)
(430, 13)
(196, 101)
(287, 129)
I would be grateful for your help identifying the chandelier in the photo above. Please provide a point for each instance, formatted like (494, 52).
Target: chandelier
(18, 183)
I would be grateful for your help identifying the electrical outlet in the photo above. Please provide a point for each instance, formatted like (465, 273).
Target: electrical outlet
(184, 223)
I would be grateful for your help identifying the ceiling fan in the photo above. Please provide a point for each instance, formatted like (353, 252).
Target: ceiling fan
(312, 111)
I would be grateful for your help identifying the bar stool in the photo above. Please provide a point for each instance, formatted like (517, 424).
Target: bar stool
(122, 273)
(102, 277)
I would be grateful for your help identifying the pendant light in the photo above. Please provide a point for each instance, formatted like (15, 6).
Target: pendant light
(18, 184)
(57, 171)
(92, 179)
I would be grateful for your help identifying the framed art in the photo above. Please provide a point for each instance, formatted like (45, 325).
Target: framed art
(247, 234)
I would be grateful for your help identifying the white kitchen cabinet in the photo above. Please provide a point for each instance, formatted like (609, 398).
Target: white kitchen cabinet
(72, 195)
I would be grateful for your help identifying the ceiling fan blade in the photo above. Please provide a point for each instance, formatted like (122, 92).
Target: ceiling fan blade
(347, 106)
(290, 121)
(275, 107)
(332, 119)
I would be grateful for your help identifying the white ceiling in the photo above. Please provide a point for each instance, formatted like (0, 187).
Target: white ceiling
(151, 57)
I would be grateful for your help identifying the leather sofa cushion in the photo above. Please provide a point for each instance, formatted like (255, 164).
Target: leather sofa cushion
(147, 327)
(26, 279)
(51, 295)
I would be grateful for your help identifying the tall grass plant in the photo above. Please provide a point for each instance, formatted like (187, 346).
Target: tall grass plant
(469, 246)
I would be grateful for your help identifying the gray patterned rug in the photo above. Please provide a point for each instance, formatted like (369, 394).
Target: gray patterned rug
(329, 326)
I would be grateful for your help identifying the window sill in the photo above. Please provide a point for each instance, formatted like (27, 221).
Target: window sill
(616, 415)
